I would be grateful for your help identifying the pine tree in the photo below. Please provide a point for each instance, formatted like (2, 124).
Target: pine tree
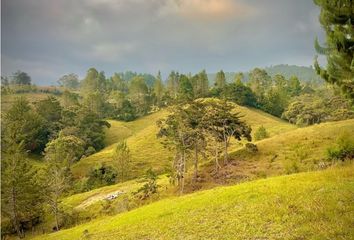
(21, 123)
(259, 82)
(173, 84)
(294, 86)
(20, 198)
(60, 155)
(200, 84)
(185, 92)
(158, 88)
(239, 78)
(337, 20)
(122, 159)
(220, 80)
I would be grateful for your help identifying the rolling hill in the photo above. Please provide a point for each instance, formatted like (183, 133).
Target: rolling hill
(147, 151)
(299, 150)
(294, 150)
(315, 205)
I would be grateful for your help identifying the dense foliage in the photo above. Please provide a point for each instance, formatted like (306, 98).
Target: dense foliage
(337, 20)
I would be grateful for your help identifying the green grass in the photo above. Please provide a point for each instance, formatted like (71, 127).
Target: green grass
(303, 149)
(145, 148)
(316, 205)
(147, 151)
(299, 150)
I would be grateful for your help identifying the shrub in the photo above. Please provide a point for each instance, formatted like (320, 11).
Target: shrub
(250, 147)
(150, 187)
(344, 148)
(100, 176)
(261, 133)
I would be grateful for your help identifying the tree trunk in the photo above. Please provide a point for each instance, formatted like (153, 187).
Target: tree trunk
(225, 152)
(217, 165)
(183, 171)
(195, 163)
(56, 216)
(15, 221)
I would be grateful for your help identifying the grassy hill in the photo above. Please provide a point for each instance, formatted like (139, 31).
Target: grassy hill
(299, 150)
(147, 151)
(316, 205)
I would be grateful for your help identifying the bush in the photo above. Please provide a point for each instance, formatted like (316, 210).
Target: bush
(261, 133)
(252, 148)
(344, 148)
(100, 176)
(150, 187)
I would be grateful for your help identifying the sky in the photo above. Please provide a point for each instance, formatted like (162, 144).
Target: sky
(50, 38)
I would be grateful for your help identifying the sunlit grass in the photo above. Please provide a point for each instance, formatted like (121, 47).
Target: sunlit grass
(316, 205)
(147, 150)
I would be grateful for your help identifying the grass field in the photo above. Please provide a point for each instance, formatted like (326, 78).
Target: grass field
(147, 151)
(315, 205)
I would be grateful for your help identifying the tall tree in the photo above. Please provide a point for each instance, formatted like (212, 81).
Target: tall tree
(259, 82)
(185, 91)
(60, 155)
(122, 157)
(70, 81)
(220, 80)
(20, 198)
(173, 84)
(95, 102)
(239, 77)
(174, 129)
(21, 123)
(158, 89)
(50, 110)
(118, 83)
(138, 94)
(294, 86)
(200, 84)
(94, 81)
(224, 123)
(337, 20)
(240, 94)
(21, 78)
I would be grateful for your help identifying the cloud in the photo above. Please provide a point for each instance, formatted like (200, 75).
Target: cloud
(51, 38)
(207, 10)
(111, 52)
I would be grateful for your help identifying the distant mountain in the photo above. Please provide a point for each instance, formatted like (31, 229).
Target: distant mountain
(305, 74)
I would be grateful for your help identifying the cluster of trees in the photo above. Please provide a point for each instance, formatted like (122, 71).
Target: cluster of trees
(198, 127)
(318, 107)
(126, 96)
(18, 78)
(64, 133)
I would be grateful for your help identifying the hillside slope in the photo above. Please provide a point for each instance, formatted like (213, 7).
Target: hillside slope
(316, 205)
(147, 151)
(303, 149)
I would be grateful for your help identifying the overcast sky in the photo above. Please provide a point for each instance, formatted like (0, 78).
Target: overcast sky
(50, 38)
